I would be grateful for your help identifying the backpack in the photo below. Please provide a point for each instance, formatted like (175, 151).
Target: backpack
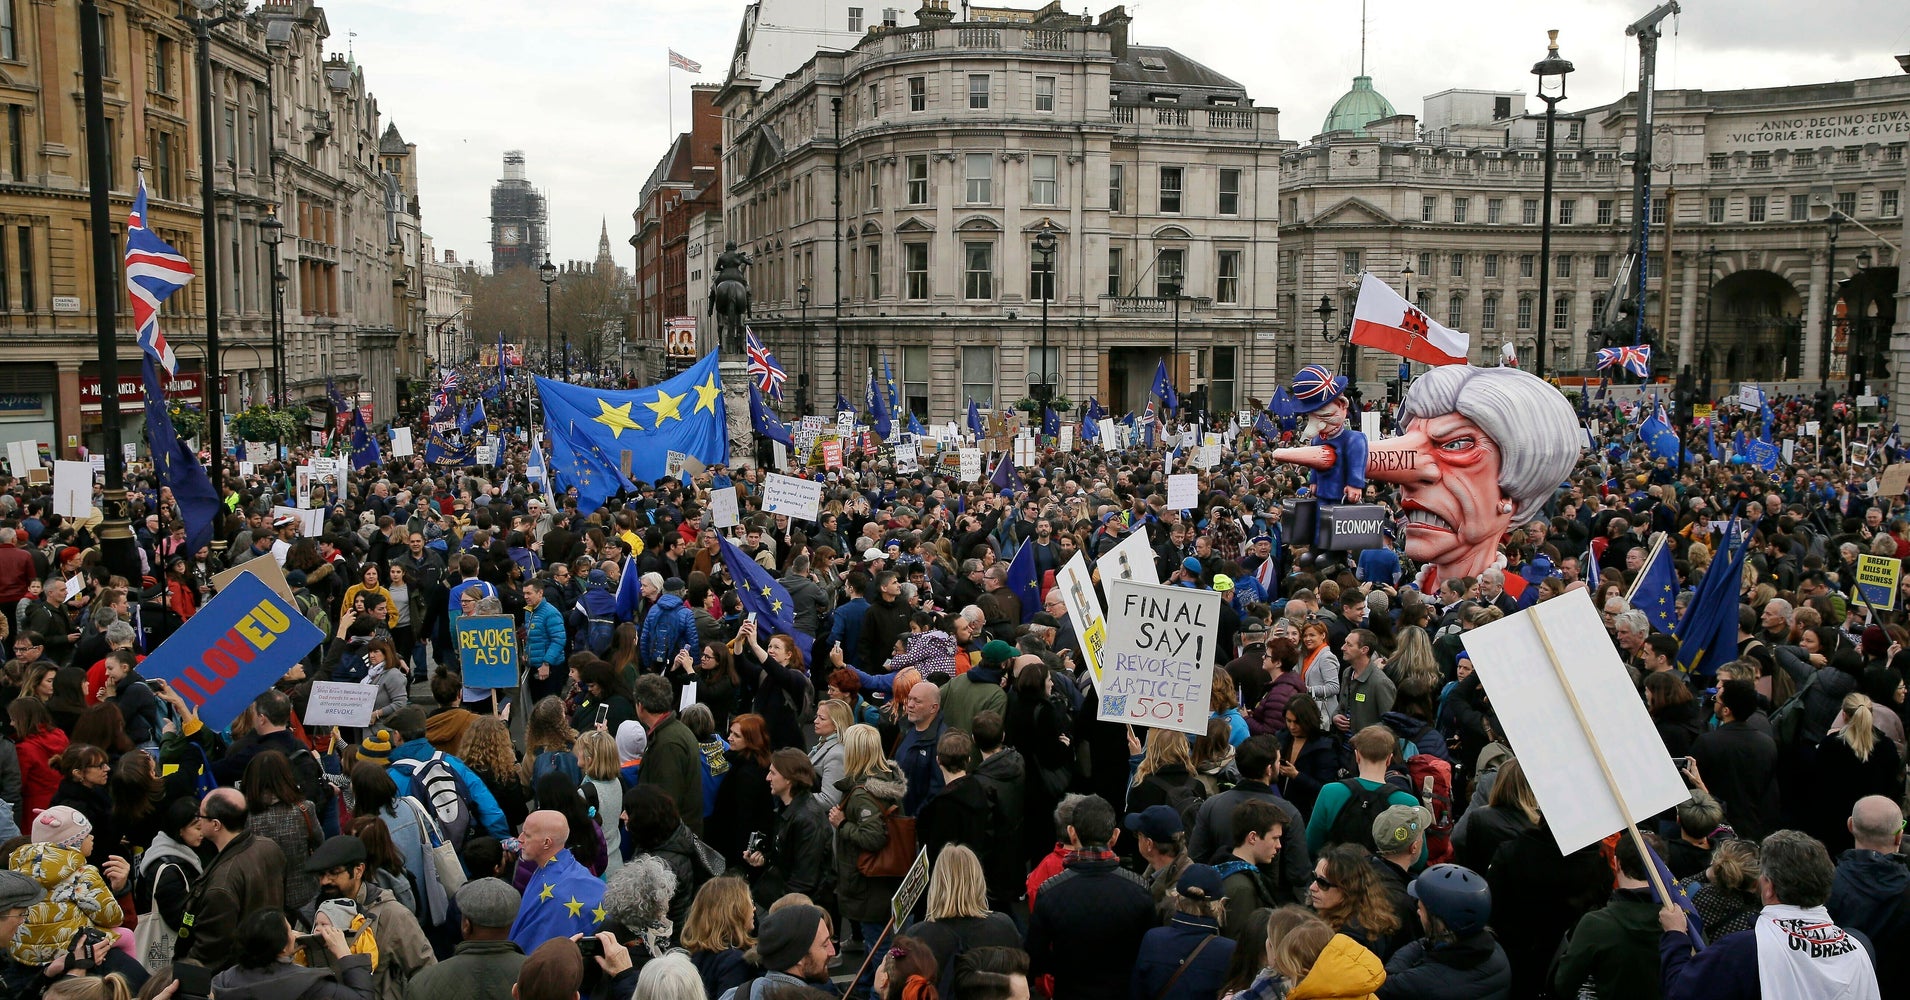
(1185, 798)
(1354, 824)
(599, 634)
(559, 761)
(313, 609)
(309, 772)
(437, 786)
(674, 631)
(1431, 781)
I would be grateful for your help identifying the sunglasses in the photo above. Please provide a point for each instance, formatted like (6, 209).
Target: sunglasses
(1323, 882)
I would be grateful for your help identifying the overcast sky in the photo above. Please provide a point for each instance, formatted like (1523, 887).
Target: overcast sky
(580, 85)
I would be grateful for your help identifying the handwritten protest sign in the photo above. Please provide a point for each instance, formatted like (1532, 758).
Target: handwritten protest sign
(792, 497)
(401, 442)
(487, 649)
(1157, 667)
(236, 646)
(914, 883)
(971, 465)
(339, 703)
(1183, 491)
(1895, 480)
(1877, 581)
(723, 509)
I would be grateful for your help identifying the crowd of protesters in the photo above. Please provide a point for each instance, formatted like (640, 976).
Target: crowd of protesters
(1353, 822)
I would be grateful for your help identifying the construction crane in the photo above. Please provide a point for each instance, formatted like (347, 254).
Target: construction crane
(1628, 286)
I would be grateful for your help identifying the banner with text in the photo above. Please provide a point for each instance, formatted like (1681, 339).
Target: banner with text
(1157, 667)
(487, 649)
(235, 647)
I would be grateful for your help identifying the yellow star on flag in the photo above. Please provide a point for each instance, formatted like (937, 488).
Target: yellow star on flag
(706, 395)
(600, 913)
(548, 889)
(617, 418)
(665, 406)
(576, 909)
(765, 590)
(775, 605)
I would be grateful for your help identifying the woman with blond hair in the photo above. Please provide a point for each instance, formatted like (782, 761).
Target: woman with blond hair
(1413, 656)
(1726, 892)
(547, 731)
(486, 749)
(1348, 894)
(832, 720)
(719, 930)
(871, 790)
(1166, 775)
(959, 919)
(1856, 759)
(602, 790)
(1323, 965)
(1510, 809)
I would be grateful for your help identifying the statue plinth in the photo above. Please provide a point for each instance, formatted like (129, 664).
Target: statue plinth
(735, 376)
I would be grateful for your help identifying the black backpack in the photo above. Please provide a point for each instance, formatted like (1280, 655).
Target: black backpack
(1354, 824)
(1184, 798)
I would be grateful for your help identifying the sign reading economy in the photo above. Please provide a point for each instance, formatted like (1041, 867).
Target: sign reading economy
(487, 649)
(1157, 666)
(238, 645)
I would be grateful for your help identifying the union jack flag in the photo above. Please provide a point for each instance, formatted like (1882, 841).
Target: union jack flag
(763, 368)
(1636, 360)
(154, 270)
(450, 383)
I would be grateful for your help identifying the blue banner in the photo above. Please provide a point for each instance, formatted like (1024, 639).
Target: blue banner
(487, 651)
(238, 645)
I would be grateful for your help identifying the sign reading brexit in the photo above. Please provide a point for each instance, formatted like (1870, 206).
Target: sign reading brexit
(238, 645)
(1157, 666)
(487, 649)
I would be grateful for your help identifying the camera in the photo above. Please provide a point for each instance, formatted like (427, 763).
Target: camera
(80, 951)
(756, 842)
(590, 946)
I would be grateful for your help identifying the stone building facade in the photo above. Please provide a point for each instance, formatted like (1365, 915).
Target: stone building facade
(956, 145)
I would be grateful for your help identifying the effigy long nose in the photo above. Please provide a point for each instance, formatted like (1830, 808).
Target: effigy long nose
(1311, 456)
(1399, 460)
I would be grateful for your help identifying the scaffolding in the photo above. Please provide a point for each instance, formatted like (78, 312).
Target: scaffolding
(518, 218)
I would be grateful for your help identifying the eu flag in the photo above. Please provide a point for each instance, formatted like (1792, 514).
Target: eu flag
(765, 421)
(762, 595)
(364, 444)
(915, 426)
(974, 419)
(438, 451)
(474, 417)
(630, 592)
(1164, 388)
(1694, 924)
(1655, 592)
(177, 467)
(598, 431)
(1024, 581)
(879, 408)
(843, 405)
(1050, 422)
(562, 899)
(1708, 636)
(1004, 477)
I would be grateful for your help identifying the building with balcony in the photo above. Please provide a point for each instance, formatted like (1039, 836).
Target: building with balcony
(907, 181)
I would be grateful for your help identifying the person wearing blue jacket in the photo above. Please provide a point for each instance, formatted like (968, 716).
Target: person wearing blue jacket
(545, 641)
(409, 724)
(847, 627)
(669, 627)
(1188, 958)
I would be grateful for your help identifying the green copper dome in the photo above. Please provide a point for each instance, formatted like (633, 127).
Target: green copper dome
(1359, 108)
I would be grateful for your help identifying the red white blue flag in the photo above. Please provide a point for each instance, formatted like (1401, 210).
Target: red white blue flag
(1636, 360)
(154, 270)
(763, 368)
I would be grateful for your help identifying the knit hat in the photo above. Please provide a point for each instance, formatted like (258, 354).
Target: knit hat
(62, 825)
(632, 739)
(997, 653)
(376, 746)
(489, 902)
(784, 936)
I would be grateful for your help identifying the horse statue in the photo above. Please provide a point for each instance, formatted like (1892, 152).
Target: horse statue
(729, 299)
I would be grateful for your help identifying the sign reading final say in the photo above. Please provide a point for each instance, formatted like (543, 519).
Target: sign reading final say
(1157, 667)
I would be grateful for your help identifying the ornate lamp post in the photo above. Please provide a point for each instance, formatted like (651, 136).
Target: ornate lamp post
(547, 273)
(1045, 246)
(272, 233)
(802, 383)
(1551, 72)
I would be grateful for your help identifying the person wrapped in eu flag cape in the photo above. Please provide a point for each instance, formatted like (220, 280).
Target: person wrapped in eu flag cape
(1482, 450)
(562, 897)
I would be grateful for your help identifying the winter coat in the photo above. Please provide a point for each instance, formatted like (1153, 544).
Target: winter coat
(722, 971)
(1871, 893)
(977, 691)
(1478, 834)
(1002, 864)
(1344, 971)
(479, 970)
(1678, 726)
(1318, 766)
(1085, 927)
(1473, 968)
(1164, 950)
(1837, 779)
(1615, 948)
(96, 804)
(1270, 713)
(394, 692)
(961, 813)
(826, 757)
(669, 627)
(882, 624)
(800, 848)
(76, 897)
(674, 764)
(808, 602)
(864, 799)
(1739, 765)
(294, 827)
(915, 755)
(284, 980)
(678, 853)
(1212, 835)
(166, 873)
(544, 637)
(248, 875)
(38, 777)
(403, 950)
(1537, 896)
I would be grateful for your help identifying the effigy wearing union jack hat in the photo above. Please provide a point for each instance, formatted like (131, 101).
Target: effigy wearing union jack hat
(1314, 387)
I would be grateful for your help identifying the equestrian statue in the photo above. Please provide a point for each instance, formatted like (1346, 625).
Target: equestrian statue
(729, 299)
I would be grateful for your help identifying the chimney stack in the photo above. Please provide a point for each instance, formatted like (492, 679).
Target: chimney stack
(1115, 20)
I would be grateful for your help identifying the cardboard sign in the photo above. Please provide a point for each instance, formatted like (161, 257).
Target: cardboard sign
(1024, 452)
(1810, 428)
(302, 486)
(22, 456)
(1877, 578)
(1859, 453)
(1560, 755)
(1157, 667)
(689, 696)
(905, 460)
(1750, 398)
(337, 703)
(1790, 449)
(265, 568)
(723, 510)
(1067, 437)
(1132, 559)
(1895, 480)
(1084, 610)
(246, 469)
(1104, 433)
(914, 884)
(401, 442)
(800, 499)
(487, 650)
(1207, 456)
(1183, 491)
(235, 647)
(72, 489)
(1701, 411)
(971, 465)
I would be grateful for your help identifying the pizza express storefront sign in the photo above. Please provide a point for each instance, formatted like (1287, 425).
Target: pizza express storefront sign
(181, 388)
(1869, 125)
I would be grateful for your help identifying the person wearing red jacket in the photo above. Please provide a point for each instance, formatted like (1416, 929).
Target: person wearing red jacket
(38, 742)
(16, 574)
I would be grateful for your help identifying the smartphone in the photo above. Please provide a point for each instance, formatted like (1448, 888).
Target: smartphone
(590, 946)
(195, 981)
(603, 714)
(752, 618)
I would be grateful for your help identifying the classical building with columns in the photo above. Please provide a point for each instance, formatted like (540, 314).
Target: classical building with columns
(1747, 271)
(960, 148)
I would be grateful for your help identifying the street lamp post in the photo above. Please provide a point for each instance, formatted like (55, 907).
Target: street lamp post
(1551, 72)
(1859, 341)
(802, 383)
(202, 32)
(272, 233)
(1172, 292)
(547, 273)
(1836, 222)
(1406, 282)
(1044, 246)
(1325, 311)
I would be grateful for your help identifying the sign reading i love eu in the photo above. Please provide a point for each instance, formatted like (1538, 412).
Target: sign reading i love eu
(241, 642)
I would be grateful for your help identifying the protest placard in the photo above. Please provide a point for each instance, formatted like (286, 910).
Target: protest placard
(258, 452)
(246, 469)
(237, 645)
(688, 697)
(1859, 453)
(1583, 735)
(1790, 448)
(723, 510)
(1895, 480)
(1877, 581)
(791, 497)
(340, 703)
(905, 461)
(1183, 491)
(1104, 433)
(130, 451)
(1067, 437)
(267, 570)
(1207, 456)
(401, 442)
(97, 463)
(832, 454)
(1024, 452)
(487, 454)
(1810, 428)
(22, 456)
(1750, 397)
(1157, 666)
(971, 465)
(311, 523)
(1076, 586)
(914, 883)
(845, 425)
(1369, 424)
(1132, 559)
(72, 489)
(487, 649)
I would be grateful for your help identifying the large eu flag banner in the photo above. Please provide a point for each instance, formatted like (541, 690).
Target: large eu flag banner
(598, 437)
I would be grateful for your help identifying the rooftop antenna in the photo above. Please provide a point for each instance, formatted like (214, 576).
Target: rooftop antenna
(350, 37)
(1362, 37)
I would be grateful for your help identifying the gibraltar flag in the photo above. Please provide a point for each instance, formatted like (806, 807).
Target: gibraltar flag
(1384, 320)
